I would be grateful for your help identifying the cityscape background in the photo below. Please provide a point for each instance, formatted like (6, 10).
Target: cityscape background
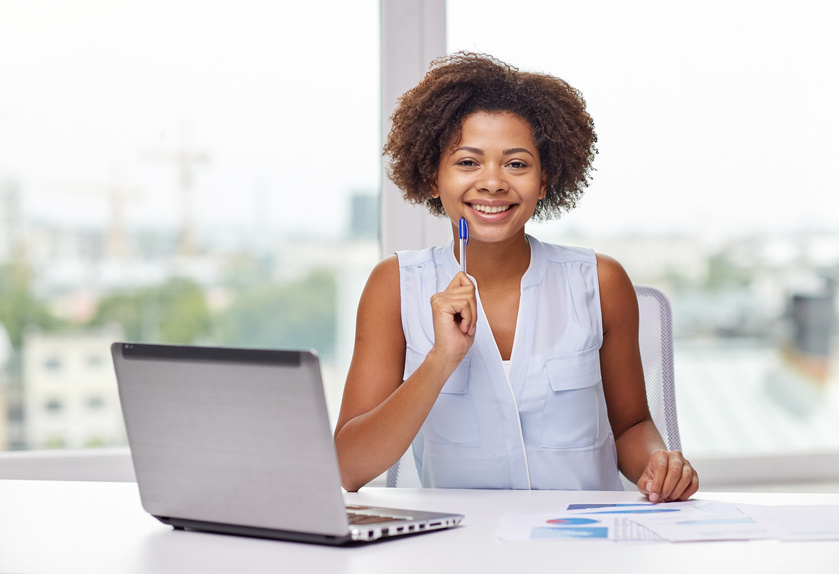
(754, 320)
(208, 173)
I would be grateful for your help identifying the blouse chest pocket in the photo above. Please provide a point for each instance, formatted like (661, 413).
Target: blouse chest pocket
(453, 420)
(571, 416)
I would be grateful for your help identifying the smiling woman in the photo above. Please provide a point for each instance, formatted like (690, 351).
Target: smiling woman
(433, 112)
(459, 367)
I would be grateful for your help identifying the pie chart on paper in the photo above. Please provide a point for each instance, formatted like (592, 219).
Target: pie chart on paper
(572, 521)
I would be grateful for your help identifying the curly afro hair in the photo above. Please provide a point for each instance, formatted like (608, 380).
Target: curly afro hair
(429, 118)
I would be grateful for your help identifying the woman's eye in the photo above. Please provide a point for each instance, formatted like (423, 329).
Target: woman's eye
(517, 164)
(467, 163)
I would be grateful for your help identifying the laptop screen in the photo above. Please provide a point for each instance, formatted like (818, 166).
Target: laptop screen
(239, 436)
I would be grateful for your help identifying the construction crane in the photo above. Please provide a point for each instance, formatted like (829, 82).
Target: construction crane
(185, 159)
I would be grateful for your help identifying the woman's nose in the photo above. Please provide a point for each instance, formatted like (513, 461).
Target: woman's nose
(492, 180)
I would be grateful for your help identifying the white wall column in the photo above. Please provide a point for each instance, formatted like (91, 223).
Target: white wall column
(413, 34)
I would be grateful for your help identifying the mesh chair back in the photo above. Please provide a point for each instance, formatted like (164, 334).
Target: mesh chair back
(403, 474)
(655, 338)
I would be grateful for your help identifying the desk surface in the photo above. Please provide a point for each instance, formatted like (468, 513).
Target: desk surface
(89, 527)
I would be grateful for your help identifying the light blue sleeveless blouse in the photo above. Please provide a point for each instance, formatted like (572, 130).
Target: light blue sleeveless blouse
(545, 428)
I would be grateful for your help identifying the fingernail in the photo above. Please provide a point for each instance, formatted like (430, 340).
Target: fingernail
(649, 485)
(654, 497)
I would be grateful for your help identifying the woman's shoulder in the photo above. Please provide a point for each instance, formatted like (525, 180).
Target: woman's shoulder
(380, 297)
(385, 273)
(617, 293)
(610, 271)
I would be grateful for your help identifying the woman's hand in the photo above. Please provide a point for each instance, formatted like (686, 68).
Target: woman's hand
(382, 412)
(455, 315)
(668, 477)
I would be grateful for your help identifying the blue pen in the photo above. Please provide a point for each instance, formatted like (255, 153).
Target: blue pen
(463, 233)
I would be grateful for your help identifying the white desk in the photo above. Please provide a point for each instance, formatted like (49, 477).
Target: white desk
(89, 527)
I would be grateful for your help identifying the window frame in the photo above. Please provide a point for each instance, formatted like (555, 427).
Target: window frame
(413, 32)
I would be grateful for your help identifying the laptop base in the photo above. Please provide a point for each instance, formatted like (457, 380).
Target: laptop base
(255, 531)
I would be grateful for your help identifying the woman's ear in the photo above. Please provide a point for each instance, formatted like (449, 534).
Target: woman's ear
(543, 189)
(435, 193)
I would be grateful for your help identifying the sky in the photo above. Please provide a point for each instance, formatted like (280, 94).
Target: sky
(712, 117)
(281, 97)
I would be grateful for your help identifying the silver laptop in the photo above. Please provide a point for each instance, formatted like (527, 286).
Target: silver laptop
(238, 441)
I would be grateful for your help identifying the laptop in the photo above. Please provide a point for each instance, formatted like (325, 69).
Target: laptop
(238, 441)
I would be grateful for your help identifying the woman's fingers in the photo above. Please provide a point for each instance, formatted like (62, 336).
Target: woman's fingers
(455, 312)
(669, 476)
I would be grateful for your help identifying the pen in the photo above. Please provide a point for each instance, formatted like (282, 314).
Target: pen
(463, 233)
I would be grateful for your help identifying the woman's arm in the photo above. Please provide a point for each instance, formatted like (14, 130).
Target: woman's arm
(642, 455)
(381, 414)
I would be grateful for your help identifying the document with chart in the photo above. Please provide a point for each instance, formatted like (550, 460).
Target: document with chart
(690, 521)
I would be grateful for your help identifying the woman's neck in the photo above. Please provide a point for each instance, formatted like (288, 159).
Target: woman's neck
(498, 262)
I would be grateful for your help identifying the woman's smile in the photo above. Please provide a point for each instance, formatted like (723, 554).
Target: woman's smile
(490, 209)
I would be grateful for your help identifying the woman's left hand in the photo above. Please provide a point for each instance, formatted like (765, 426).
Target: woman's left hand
(668, 477)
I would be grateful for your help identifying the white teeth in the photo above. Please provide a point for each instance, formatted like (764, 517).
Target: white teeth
(489, 209)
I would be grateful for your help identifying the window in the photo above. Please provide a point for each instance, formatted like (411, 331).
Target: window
(144, 153)
(717, 143)
(181, 172)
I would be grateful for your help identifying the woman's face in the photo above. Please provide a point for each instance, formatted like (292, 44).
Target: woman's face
(492, 176)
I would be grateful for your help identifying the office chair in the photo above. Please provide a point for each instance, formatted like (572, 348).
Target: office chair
(655, 338)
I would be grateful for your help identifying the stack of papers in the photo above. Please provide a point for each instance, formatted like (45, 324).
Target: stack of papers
(690, 521)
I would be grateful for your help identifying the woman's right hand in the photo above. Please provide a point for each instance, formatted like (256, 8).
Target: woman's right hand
(380, 413)
(455, 315)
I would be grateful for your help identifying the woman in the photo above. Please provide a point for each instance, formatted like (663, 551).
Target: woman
(525, 373)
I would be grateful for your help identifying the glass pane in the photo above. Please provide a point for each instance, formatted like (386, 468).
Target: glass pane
(715, 182)
(177, 171)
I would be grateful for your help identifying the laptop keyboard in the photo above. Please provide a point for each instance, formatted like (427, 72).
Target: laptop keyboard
(358, 519)
(363, 515)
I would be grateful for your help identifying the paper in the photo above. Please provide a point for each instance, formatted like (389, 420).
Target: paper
(690, 521)
(580, 521)
(797, 523)
(699, 520)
